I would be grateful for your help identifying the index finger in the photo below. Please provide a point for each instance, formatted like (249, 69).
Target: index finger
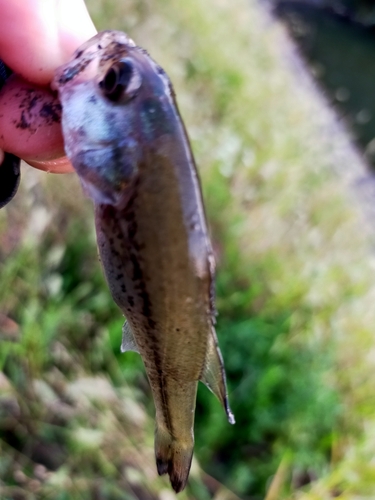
(37, 36)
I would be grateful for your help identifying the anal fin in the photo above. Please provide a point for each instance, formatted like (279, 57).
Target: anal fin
(213, 375)
(128, 342)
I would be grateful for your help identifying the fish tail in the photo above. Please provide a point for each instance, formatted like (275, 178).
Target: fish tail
(179, 464)
(173, 456)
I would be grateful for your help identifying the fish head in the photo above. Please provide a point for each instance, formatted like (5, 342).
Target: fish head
(116, 104)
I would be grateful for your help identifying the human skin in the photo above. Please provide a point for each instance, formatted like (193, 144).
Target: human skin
(37, 36)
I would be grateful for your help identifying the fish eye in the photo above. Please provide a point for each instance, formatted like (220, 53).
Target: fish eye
(121, 81)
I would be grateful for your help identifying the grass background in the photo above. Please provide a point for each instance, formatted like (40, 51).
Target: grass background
(295, 289)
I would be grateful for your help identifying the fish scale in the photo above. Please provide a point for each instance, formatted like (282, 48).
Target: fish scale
(127, 142)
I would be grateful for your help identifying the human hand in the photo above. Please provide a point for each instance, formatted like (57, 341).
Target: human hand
(37, 36)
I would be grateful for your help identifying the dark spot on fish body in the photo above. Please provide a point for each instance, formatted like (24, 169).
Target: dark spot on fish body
(160, 71)
(138, 246)
(131, 300)
(137, 271)
(155, 119)
(109, 214)
(68, 74)
(119, 168)
(93, 99)
(81, 132)
(108, 57)
(111, 117)
(146, 309)
(132, 229)
(143, 51)
(118, 46)
(119, 276)
(129, 215)
(151, 323)
(72, 71)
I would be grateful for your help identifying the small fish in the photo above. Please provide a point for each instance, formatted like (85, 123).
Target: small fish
(126, 140)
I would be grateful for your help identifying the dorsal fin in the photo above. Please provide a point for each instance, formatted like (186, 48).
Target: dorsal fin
(128, 342)
(213, 375)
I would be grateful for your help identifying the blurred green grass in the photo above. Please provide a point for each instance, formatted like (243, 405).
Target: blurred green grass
(294, 290)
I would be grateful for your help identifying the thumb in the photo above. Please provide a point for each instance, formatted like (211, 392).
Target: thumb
(37, 36)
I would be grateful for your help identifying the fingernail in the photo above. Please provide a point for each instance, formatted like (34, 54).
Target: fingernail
(58, 166)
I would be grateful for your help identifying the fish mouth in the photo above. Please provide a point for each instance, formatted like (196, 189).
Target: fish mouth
(90, 165)
(103, 177)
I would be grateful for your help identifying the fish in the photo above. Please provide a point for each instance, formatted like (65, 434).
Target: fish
(126, 140)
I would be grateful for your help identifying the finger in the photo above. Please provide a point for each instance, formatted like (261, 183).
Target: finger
(58, 166)
(20, 104)
(30, 124)
(35, 37)
(39, 35)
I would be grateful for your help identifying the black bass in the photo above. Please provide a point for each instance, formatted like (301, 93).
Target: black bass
(125, 138)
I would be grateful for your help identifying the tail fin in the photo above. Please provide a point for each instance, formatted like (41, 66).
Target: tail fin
(173, 457)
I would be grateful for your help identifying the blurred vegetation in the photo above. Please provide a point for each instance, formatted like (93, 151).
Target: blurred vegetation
(295, 290)
(323, 32)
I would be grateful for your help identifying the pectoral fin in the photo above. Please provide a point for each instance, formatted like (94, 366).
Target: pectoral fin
(128, 342)
(213, 375)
